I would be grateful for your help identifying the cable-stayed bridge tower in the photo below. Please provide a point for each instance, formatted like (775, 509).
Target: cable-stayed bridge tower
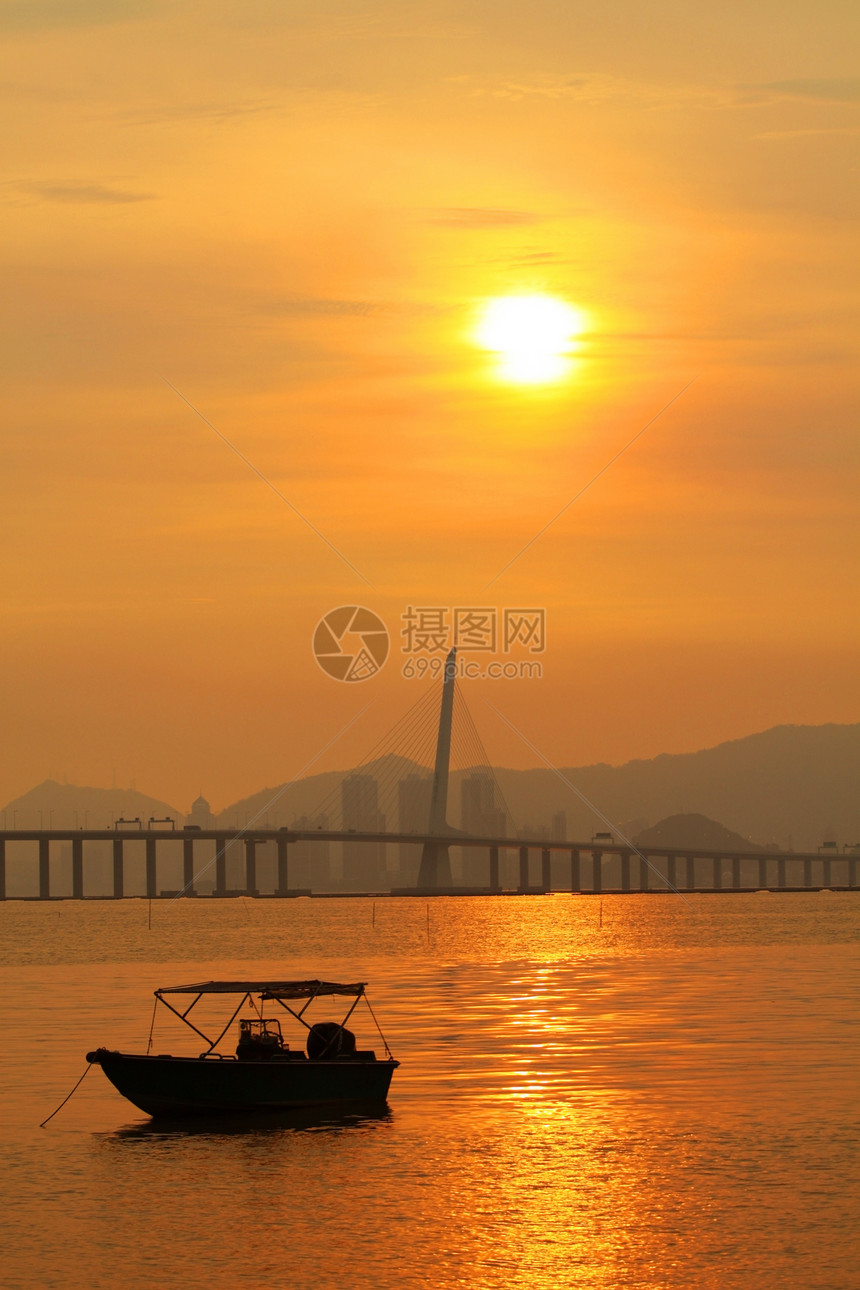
(408, 779)
(435, 868)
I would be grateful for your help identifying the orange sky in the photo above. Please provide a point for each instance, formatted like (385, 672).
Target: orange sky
(293, 214)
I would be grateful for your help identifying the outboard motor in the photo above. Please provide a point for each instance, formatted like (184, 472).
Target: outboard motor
(327, 1040)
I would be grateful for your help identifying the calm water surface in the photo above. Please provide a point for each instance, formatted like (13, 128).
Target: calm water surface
(668, 1099)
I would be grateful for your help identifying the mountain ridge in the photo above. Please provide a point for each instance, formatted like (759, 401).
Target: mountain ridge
(787, 785)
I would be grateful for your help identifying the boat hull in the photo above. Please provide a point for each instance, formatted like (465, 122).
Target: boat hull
(182, 1086)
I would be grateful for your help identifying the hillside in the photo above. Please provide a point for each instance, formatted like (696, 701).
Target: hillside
(789, 785)
(68, 806)
(786, 785)
(692, 831)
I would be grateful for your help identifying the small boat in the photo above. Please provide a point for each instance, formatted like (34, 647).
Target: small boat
(264, 1073)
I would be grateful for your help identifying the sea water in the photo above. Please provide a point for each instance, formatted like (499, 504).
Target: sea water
(644, 1091)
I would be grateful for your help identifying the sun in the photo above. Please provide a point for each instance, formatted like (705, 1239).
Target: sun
(533, 336)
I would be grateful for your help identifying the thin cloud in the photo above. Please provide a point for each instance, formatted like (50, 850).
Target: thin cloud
(536, 257)
(42, 15)
(325, 307)
(832, 89)
(851, 131)
(479, 217)
(223, 111)
(597, 88)
(320, 307)
(84, 193)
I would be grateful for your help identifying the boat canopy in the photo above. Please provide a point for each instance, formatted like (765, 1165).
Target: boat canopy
(268, 989)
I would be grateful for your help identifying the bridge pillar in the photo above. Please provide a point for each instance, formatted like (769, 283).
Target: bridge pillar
(250, 866)
(494, 869)
(78, 868)
(44, 869)
(691, 873)
(671, 872)
(780, 872)
(597, 871)
(807, 873)
(151, 879)
(188, 866)
(717, 871)
(524, 868)
(545, 870)
(852, 872)
(625, 870)
(117, 869)
(826, 873)
(221, 865)
(643, 874)
(736, 872)
(283, 866)
(2, 868)
(435, 868)
(762, 873)
(575, 879)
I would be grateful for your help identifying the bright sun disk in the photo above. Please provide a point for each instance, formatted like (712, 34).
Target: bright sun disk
(533, 336)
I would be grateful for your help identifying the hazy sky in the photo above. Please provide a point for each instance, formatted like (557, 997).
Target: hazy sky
(294, 212)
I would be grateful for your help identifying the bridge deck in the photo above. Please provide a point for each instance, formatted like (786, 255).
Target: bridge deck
(655, 868)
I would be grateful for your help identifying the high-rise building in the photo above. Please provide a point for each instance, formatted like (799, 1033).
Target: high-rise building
(309, 865)
(363, 862)
(413, 815)
(559, 826)
(535, 832)
(481, 815)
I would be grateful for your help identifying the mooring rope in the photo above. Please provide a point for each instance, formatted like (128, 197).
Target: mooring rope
(65, 1099)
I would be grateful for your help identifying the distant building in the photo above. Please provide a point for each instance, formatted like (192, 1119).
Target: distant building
(200, 814)
(482, 816)
(535, 832)
(413, 815)
(309, 862)
(363, 862)
(559, 826)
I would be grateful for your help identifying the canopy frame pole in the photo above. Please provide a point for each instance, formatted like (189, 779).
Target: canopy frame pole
(183, 1017)
(190, 1006)
(358, 999)
(298, 1015)
(355, 1004)
(388, 1052)
(242, 1003)
(311, 998)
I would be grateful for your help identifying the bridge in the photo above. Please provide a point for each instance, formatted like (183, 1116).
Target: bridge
(601, 864)
(587, 867)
